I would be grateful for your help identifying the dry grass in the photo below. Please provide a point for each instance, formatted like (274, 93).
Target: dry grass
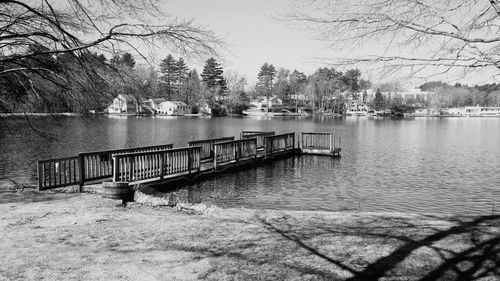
(64, 236)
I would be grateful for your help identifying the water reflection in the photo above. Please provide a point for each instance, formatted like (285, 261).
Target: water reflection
(420, 165)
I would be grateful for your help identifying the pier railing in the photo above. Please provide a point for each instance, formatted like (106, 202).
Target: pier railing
(279, 143)
(58, 172)
(88, 166)
(234, 151)
(133, 167)
(261, 136)
(207, 146)
(99, 164)
(322, 141)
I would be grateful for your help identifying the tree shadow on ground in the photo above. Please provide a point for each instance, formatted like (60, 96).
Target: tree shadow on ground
(466, 250)
(364, 247)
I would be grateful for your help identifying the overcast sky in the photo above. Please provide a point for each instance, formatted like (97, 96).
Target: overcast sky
(255, 36)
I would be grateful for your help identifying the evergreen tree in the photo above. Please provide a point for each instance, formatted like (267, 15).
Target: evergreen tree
(181, 79)
(213, 79)
(351, 80)
(297, 81)
(193, 88)
(168, 69)
(266, 77)
(128, 60)
(379, 102)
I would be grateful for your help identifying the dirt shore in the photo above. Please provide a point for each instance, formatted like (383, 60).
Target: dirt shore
(70, 236)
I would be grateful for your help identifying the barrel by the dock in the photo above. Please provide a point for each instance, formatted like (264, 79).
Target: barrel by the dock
(116, 190)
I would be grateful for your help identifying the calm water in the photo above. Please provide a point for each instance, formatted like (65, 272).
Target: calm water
(417, 165)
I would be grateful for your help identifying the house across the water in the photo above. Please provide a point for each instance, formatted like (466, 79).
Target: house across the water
(126, 104)
(173, 108)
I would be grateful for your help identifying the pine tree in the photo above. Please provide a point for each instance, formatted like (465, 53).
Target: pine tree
(379, 102)
(265, 77)
(128, 60)
(181, 78)
(213, 79)
(168, 69)
(193, 88)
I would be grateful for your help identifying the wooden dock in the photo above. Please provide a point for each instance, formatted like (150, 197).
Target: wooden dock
(199, 160)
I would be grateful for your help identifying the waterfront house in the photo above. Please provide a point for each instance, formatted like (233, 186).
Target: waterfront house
(356, 107)
(482, 111)
(173, 108)
(454, 111)
(154, 104)
(261, 102)
(124, 104)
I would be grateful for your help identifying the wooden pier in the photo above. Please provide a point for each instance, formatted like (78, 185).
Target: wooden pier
(199, 159)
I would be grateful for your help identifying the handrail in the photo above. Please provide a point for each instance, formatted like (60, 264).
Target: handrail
(259, 135)
(87, 166)
(132, 167)
(234, 151)
(207, 146)
(319, 140)
(246, 133)
(60, 172)
(99, 164)
(279, 143)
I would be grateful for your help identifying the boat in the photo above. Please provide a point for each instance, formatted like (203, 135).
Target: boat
(372, 113)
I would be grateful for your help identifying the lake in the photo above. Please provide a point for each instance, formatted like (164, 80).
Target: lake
(421, 165)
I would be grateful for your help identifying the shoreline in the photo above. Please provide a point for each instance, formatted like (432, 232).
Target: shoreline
(61, 235)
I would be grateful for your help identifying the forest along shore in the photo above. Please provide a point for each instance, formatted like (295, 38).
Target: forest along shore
(60, 235)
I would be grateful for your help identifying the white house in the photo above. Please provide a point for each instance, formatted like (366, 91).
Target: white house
(154, 104)
(173, 108)
(123, 104)
(262, 102)
(356, 106)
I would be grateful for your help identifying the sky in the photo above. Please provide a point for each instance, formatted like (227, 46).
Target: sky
(254, 35)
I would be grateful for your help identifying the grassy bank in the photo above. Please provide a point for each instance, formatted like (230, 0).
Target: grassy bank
(58, 236)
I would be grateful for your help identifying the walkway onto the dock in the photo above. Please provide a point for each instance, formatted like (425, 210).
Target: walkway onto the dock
(201, 158)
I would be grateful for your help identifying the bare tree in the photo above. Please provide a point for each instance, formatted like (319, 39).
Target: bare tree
(53, 43)
(420, 34)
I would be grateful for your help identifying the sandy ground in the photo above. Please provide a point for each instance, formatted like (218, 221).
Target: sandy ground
(71, 236)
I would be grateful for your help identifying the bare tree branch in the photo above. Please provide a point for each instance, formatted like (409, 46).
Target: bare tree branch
(450, 34)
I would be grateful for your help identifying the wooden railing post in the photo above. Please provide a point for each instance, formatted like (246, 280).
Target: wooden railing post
(40, 176)
(162, 164)
(331, 148)
(215, 157)
(190, 160)
(116, 169)
(81, 163)
(237, 153)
